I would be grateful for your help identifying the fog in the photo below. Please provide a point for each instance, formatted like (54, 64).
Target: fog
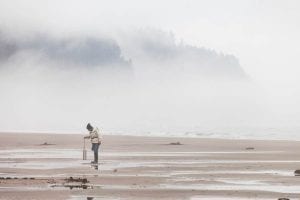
(136, 67)
(144, 81)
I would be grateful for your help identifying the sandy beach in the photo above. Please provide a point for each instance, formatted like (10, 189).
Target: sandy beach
(50, 166)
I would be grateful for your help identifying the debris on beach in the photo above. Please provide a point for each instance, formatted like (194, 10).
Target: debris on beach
(46, 143)
(297, 172)
(283, 199)
(175, 143)
(250, 148)
(71, 179)
(115, 170)
(16, 178)
(80, 183)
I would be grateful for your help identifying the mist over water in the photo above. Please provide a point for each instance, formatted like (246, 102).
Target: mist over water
(143, 82)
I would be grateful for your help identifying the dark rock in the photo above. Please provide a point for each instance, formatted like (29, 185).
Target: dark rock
(46, 144)
(283, 199)
(175, 143)
(82, 180)
(115, 170)
(90, 198)
(297, 172)
(250, 148)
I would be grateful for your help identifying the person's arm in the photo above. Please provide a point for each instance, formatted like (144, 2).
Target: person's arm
(87, 137)
(93, 135)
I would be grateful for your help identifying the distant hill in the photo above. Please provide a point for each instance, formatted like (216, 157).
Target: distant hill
(146, 50)
(76, 51)
(160, 50)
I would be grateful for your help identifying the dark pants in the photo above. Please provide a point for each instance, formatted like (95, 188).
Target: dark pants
(95, 148)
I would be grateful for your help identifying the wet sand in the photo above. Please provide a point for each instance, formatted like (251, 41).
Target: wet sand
(147, 168)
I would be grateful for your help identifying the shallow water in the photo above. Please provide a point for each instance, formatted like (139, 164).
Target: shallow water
(84, 197)
(275, 132)
(41, 153)
(157, 167)
(72, 158)
(23, 188)
(242, 186)
(224, 172)
(225, 198)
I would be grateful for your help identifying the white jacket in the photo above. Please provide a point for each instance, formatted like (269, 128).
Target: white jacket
(95, 136)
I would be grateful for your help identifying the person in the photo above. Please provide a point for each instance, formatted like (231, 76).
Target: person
(96, 138)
